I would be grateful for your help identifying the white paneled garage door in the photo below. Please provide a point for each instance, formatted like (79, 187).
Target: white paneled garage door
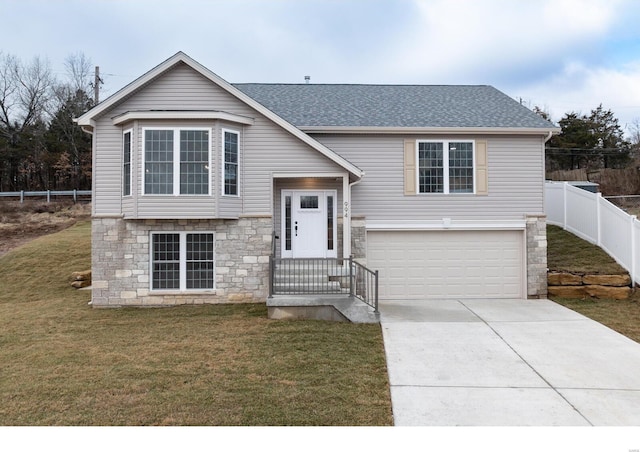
(447, 264)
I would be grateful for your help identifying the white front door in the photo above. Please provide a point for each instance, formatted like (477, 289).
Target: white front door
(308, 223)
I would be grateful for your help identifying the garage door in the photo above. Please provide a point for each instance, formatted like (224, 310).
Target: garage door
(447, 264)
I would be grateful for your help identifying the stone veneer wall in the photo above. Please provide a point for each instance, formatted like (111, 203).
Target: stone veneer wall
(120, 261)
(536, 256)
(358, 238)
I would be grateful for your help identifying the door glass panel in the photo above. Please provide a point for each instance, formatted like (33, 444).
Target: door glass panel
(330, 222)
(287, 223)
(308, 202)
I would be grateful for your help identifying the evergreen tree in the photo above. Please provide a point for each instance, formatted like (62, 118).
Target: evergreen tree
(593, 141)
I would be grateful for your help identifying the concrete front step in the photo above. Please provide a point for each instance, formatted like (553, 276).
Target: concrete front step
(342, 308)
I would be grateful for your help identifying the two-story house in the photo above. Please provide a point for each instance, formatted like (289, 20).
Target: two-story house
(440, 188)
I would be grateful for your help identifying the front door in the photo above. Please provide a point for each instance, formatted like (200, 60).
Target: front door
(308, 223)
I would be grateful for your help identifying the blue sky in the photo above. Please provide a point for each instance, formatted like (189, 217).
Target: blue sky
(562, 55)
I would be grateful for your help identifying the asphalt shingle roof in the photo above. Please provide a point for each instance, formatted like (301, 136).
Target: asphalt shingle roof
(393, 105)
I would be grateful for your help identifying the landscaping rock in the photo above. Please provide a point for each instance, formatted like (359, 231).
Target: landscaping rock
(80, 284)
(607, 280)
(616, 293)
(563, 279)
(568, 291)
(82, 276)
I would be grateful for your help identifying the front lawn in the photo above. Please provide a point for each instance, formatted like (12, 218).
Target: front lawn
(567, 252)
(64, 363)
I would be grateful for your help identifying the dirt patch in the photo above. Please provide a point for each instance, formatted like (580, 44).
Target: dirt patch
(22, 222)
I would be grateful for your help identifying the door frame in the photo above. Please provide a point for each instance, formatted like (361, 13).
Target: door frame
(326, 252)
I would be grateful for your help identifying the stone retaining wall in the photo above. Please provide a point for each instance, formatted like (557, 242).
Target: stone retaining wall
(571, 285)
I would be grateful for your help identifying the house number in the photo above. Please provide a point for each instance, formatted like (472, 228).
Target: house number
(346, 209)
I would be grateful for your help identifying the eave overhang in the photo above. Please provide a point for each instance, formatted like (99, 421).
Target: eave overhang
(430, 130)
(181, 114)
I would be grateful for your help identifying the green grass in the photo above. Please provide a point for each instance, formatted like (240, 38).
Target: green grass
(64, 363)
(567, 252)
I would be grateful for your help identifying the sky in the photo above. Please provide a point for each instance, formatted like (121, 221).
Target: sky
(560, 55)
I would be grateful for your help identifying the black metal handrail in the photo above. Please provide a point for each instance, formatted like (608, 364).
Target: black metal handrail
(323, 276)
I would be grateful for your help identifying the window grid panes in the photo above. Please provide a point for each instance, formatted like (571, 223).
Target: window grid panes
(183, 261)
(166, 261)
(309, 202)
(230, 163)
(200, 261)
(431, 168)
(194, 162)
(461, 167)
(158, 157)
(445, 167)
(126, 164)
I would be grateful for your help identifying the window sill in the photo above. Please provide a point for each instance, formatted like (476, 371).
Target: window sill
(183, 292)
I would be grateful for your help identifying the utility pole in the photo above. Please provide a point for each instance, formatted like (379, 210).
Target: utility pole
(96, 86)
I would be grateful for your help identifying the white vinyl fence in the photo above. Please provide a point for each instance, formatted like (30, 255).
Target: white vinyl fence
(593, 218)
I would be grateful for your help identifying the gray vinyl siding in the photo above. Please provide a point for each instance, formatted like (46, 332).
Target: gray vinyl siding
(515, 172)
(265, 148)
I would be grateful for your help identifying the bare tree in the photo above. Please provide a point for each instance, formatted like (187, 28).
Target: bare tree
(25, 92)
(79, 74)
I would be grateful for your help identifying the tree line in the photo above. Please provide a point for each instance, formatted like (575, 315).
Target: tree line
(592, 141)
(41, 148)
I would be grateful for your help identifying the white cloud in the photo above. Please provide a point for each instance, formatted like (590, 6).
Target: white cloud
(472, 41)
(580, 88)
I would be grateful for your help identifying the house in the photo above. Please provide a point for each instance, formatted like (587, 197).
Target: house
(197, 182)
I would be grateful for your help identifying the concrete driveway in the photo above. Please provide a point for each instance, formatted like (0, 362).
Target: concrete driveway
(507, 363)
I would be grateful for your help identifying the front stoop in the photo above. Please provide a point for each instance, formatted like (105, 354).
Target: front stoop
(336, 308)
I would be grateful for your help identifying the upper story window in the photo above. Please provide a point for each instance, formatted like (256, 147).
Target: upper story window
(126, 163)
(230, 153)
(445, 167)
(176, 161)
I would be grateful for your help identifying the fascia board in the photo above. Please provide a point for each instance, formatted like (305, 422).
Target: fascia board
(185, 114)
(431, 130)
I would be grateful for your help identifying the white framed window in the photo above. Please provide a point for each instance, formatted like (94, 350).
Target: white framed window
(182, 261)
(126, 162)
(230, 162)
(177, 161)
(445, 166)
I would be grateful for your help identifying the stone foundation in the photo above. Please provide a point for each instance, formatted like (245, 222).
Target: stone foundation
(121, 268)
(536, 236)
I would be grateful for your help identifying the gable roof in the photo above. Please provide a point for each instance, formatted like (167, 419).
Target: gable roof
(333, 107)
(87, 120)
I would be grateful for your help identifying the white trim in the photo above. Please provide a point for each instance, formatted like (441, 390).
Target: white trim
(291, 175)
(447, 224)
(181, 57)
(224, 130)
(183, 263)
(181, 114)
(131, 147)
(432, 130)
(445, 166)
(176, 161)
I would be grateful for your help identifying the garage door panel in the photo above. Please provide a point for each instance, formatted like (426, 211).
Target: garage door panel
(447, 264)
